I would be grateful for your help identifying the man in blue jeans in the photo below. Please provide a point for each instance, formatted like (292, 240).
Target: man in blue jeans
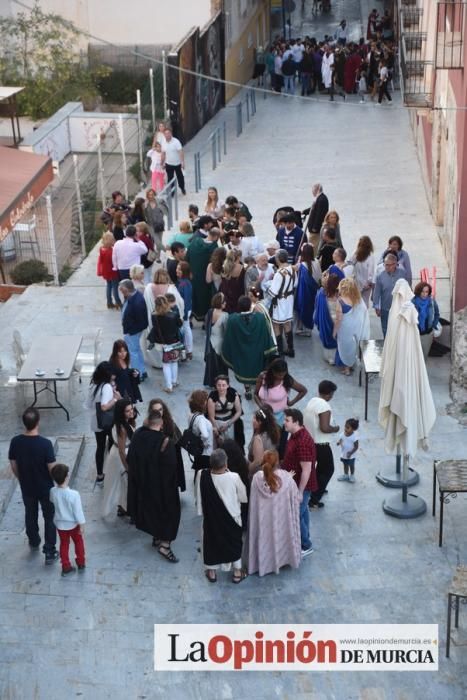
(300, 458)
(134, 321)
(32, 458)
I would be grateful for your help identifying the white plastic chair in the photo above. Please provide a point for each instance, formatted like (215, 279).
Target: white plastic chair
(89, 355)
(26, 237)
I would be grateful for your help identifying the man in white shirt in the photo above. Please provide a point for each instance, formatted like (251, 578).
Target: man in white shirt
(341, 33)
(173, 159)
(127, 252)
(318, 420)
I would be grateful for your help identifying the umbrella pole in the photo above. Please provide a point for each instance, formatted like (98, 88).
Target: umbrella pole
(396, 480)
(405, 474)
(410, 506)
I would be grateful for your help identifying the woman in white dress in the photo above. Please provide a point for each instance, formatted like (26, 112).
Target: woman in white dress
(352, 324)
(250, 244)
(115, 465)
(363, 261)
(281, 294)
(215, 323)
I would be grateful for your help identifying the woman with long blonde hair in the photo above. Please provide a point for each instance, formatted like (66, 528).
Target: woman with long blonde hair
(352, 324)
(273, 534)
(212, 205)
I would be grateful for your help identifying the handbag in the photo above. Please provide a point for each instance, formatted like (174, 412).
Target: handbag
(191, 442)
(151, 256)
(171, 353)
(105, 419)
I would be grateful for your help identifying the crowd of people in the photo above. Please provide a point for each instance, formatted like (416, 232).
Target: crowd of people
(248, 300)
(333, 65)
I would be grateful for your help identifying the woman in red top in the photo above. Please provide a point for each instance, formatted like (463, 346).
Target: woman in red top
(104, 269)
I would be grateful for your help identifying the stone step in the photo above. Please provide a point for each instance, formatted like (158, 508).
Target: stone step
(68, 450)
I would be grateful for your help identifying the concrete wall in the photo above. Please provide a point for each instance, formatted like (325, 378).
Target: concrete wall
(73, 130)
(53, 137)
(141, 21)
(244, 31)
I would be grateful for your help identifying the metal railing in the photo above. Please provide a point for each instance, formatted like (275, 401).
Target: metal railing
(215, 145)
(168, 198)
(450, 34)
(416, 69)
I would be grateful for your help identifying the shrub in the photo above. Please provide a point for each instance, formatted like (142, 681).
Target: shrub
(30, 272)
(119, 87)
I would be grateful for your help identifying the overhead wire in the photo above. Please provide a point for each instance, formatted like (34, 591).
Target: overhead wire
(232, 83)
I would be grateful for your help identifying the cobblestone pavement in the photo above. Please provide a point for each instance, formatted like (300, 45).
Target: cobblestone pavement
(91, 636)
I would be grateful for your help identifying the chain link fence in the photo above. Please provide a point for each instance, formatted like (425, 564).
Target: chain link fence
(64, 224)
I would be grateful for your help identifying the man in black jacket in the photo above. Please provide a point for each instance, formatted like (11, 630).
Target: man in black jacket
(134, 321)
(317, 212)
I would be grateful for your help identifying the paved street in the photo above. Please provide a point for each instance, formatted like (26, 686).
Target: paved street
(90, 636)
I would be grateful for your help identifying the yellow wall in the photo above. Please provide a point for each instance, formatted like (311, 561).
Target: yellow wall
(242, 72)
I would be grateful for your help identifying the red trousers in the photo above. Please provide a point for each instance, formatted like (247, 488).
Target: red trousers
(157, 180)
(78, 541)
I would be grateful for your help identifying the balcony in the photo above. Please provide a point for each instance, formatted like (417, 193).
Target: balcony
(416, 68)
(450, 35)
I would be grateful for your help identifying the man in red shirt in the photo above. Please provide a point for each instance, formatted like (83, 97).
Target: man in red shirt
(300, 457)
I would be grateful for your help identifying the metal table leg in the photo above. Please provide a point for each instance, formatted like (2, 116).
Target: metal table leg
(52, 391)
(448, 630)
(434, 489)
(441, 513)
(366, 395)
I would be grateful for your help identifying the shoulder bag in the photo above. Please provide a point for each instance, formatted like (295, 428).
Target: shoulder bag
(105, 419)
(190, 441)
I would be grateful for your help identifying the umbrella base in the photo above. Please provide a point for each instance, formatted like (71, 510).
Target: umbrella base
(393, 480)
(412, 508)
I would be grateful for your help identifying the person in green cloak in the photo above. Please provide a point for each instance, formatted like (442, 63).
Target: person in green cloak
(248, 345)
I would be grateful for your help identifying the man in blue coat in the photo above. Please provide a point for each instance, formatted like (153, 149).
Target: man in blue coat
(290, 236)
(134, 321)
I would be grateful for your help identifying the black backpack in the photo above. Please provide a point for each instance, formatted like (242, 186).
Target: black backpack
(191, 442)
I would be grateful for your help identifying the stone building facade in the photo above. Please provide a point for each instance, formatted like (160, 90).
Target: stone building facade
(433, 55)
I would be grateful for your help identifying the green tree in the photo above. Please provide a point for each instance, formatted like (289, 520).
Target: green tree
(38, 51)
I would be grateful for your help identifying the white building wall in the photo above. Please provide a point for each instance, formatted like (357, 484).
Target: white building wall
(137, 22)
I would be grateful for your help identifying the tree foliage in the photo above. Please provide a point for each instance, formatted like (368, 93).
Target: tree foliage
(38, 51)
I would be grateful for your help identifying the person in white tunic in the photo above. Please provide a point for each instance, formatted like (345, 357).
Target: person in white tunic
(115, 465)
(219, 495)
(326, 67)
(281, 296)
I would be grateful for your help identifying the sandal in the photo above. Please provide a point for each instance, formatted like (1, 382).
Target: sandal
(238, 578)
(168, 554)
(156, 543)
(167, 390)
(211, 575)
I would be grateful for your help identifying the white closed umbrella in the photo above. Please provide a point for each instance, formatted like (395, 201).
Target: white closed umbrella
(406, 408)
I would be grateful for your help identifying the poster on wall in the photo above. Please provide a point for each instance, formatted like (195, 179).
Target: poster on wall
(194, 96)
